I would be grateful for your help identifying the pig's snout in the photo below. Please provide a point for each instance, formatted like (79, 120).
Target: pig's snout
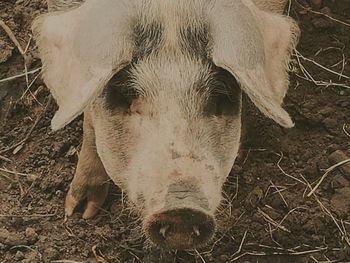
(183, 228)
(184, 223)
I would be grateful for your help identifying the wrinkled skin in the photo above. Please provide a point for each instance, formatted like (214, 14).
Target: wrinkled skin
(166, 123)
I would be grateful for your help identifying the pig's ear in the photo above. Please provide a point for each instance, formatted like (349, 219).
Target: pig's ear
(80, 50)
(255, 47)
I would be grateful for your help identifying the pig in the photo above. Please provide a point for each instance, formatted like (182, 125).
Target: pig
(160, 84)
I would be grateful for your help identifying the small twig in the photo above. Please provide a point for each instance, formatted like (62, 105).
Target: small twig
(16, 173)
(291, 211)
(271, 235)
(240, 245)
(98, 258)
(20, 186)
(66, 227)
(200, 256)
(31, 129)
(19, 47)
(28, 44)
(7, 177)
(279, 191)
(29, 216)
(324, 83)
(5, 159)
(287, 253)
(326, 210)
(20, 75)
(11, 36)
(30, 85)
(298, 54)
(345, 131)
(273, 222)
(328, 170)
(308, 77)
(286, 174)
(330, 17)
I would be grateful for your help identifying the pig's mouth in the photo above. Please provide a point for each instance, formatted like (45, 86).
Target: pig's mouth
(183, 228)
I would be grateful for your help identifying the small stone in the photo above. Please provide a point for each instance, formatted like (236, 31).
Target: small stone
(311, 167)
(254, 197)
(224, 258)
(326, 111)
(345, 104)
(330, 123)
(337, 157)
(31, 235)
(339, 181)
(322, 23)
(333, 147)
(10, 238)
(326, 10)
(5, 51)
(341, 200)
(51, 253)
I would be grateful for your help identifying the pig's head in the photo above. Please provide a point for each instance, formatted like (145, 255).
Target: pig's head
(162, 82)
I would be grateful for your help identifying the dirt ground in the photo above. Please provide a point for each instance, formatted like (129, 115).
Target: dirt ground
(269, 213)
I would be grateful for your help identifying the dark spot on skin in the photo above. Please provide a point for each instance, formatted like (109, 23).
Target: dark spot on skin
(147, 39)
(224, 94)
(195, 41)
(119, 92)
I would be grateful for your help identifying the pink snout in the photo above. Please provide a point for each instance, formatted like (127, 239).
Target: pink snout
(185, 221)
(183, 228)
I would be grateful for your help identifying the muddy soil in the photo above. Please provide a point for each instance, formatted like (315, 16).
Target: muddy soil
(268, 214)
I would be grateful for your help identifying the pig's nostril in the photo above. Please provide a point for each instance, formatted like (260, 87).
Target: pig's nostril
(180, 228)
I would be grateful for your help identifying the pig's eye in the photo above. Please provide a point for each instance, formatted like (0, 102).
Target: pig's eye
(224, 94)
(119, 92)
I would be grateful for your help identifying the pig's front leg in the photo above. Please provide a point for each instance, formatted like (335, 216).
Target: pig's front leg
(90, 180)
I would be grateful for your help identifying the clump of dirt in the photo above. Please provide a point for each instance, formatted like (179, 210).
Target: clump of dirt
(282, 202)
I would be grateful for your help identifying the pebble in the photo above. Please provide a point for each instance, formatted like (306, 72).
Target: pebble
(51, 253)
(5, 51)
(224, 258)
(338, 156)
(31, 235)
(322, 23)
(340, 181)
(330, 123)
(341, 200)
(10, 238)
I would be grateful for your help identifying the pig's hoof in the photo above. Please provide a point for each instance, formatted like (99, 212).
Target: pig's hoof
(95, 196)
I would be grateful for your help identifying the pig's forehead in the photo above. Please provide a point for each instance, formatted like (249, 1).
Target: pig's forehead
(172, 73)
